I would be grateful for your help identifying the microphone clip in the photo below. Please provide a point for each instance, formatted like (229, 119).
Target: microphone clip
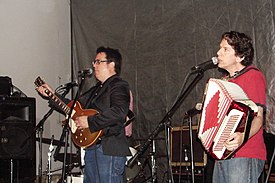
(210, 64)
(194, 111)
(69, 85)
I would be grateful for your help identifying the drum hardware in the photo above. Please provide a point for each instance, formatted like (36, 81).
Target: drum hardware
(71, 158)
(70, 167)
(75, 179)
(153, 162)
(72, 161)
(49, 159)
(137, 171)
(50, 141)
(132, 172)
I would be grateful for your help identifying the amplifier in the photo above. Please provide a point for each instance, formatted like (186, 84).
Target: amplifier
(181, 150)
(5, 86)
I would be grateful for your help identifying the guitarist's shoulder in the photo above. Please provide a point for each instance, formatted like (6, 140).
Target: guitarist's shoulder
(117, 80)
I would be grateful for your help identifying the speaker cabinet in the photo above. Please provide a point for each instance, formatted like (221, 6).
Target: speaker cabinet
(181, 150)
(17, 140)
(5, 86)
(18, 170)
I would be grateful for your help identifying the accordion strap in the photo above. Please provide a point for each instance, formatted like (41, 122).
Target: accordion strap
(244, 70)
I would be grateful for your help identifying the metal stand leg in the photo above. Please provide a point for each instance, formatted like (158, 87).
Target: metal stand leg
(51, 148)
(191, 150)
(11, 173)
(153, 163)
(270, 166)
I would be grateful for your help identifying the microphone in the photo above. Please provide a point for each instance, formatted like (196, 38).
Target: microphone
(85, 72)
(195, 110)
(69, 85)
(210, 64)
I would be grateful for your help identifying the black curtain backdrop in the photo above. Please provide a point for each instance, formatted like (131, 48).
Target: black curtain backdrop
(160, 41)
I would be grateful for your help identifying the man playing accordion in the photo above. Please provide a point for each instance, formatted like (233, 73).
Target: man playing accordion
(235, 56)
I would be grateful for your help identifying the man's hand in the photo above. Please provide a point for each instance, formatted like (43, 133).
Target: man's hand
(44, 90)
(81, 122)
(234, 141)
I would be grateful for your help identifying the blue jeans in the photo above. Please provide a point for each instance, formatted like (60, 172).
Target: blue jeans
(100, 168)
(238, 170)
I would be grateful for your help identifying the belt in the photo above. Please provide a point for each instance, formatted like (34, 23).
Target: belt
(98, 142)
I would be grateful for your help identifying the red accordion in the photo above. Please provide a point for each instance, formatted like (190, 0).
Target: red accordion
(226, 109)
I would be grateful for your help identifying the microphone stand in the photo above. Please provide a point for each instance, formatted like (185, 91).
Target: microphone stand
(39, 126)
(165, 123)
(191, 149)
(40, 135)
(270, 166)
(188, 115)
(65, 132)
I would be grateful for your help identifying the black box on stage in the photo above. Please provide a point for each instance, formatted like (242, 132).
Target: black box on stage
(181, 150)
(5, 86)
(23, 170)
(17, 140)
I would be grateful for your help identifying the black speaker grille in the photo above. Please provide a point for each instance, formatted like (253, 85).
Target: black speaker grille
(12, 138)
(17, 122)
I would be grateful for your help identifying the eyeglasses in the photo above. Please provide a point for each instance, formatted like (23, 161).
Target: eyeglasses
(97, 62)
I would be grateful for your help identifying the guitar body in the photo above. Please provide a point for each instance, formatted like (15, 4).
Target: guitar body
(83, 137)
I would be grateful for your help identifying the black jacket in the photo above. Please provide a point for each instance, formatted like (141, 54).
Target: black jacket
(111, 99)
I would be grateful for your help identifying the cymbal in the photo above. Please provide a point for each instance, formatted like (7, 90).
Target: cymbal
(48, 141)
(70, 158)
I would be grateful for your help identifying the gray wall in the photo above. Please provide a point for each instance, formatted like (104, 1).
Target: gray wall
(35, 41)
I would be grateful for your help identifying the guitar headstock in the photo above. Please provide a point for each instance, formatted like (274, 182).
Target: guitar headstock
(38, 81)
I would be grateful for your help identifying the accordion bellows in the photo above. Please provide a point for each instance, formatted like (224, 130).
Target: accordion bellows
(226, 109)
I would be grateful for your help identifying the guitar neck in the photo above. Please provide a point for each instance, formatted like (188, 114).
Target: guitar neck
(59, 102)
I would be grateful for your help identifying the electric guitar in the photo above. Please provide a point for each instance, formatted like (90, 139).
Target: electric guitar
(81, 137)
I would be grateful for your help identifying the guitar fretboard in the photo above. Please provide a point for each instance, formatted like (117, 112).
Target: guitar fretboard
(59, 102)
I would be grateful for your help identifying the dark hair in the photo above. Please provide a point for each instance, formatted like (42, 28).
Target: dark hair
(112, 55)
(242, 44)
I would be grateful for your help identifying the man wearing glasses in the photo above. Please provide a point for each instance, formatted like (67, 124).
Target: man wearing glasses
(105, 160)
